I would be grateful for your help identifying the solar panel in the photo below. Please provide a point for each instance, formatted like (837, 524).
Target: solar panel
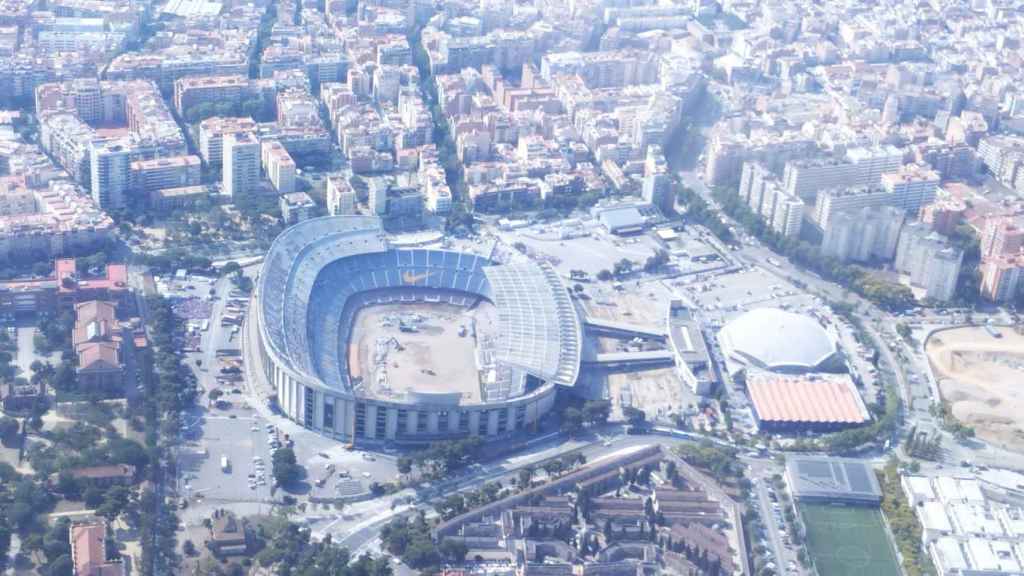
(857, 475)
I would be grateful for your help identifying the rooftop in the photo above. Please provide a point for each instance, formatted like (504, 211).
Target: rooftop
(810, 398)
(828, 478)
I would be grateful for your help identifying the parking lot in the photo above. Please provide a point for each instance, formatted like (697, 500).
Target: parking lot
(240, 442)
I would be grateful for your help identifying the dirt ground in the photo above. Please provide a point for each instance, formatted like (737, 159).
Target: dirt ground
(431, 359)
(646, 305)
(980, 376)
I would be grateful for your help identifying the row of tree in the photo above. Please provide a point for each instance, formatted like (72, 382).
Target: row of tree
(887, 294)
(903, 522)
(411, 540)
(291, 552)
(592, 413)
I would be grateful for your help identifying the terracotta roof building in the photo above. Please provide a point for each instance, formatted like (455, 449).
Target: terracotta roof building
(808, 402)
(105, 475)
(97, 340)
(89, 551)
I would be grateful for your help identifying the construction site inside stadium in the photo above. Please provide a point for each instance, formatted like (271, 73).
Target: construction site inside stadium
(363, 339)
(429, 348)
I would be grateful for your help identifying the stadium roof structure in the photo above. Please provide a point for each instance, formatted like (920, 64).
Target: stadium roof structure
(776, 340)
(828, 479)
(534, 311)
(539, 332)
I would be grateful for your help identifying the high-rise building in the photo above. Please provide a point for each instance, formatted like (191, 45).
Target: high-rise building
(831, 202)
(1002, 277)
(753, 175)
(1003, 156)
(280, 167)
(162, 173)
(870, 233)
(781, 211)
(211, 136)
(657, 186)
(787, 214)
(1001, 236)
(912, 186)
(857, 168)
(110, 166)
(929, 260)
(943, 272)
(241, 173)
(341, 197)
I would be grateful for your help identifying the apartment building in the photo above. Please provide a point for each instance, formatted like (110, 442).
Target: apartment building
(1002, 277)
(241, 174)
(912, 186)
(870, 233)
(160, 173)
(110, 168)
(929, 260)
(211, 136)
(279, 166)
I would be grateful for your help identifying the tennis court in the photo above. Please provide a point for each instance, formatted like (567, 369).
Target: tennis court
(848, 541)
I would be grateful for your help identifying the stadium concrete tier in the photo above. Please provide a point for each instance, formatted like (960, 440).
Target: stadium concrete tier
(318, 274)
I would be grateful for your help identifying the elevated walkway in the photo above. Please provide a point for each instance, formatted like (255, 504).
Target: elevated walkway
(600, 327)
(627, 361)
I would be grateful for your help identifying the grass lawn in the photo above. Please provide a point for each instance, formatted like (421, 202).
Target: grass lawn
(848, 541)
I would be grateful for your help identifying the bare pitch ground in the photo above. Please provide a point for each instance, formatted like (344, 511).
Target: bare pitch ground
(980, 376)
(432, 358)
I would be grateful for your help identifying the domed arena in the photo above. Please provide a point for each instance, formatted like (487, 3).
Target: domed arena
(367, 340)
(778, 341)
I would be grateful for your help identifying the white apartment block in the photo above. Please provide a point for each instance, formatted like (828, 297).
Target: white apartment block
(858, 167)
(279, 166)
(241, 174)
(341, 197)
(211, 136)
(912, 186)
(788, 215)
(162, 173)
(110, 169)
(871, 233)
(928, 259)
(831, 202)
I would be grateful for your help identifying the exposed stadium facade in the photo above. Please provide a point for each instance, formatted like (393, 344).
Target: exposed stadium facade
(319, 273)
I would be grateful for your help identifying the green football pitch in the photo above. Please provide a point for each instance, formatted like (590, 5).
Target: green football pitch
(848, 541)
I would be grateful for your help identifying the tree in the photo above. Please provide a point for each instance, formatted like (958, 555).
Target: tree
(68, 485)
(657, 261)
(189, 548)
(604, 275)
(634, 416)
(229, 268)
(8, 430)
(525, 476)
(451, 506)
(115, 501)
(597, 412)
(453, 551)
(623, 267)
(61, 566)
(285, 466)
(572, 421)
(404, 465)
(93, 497)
